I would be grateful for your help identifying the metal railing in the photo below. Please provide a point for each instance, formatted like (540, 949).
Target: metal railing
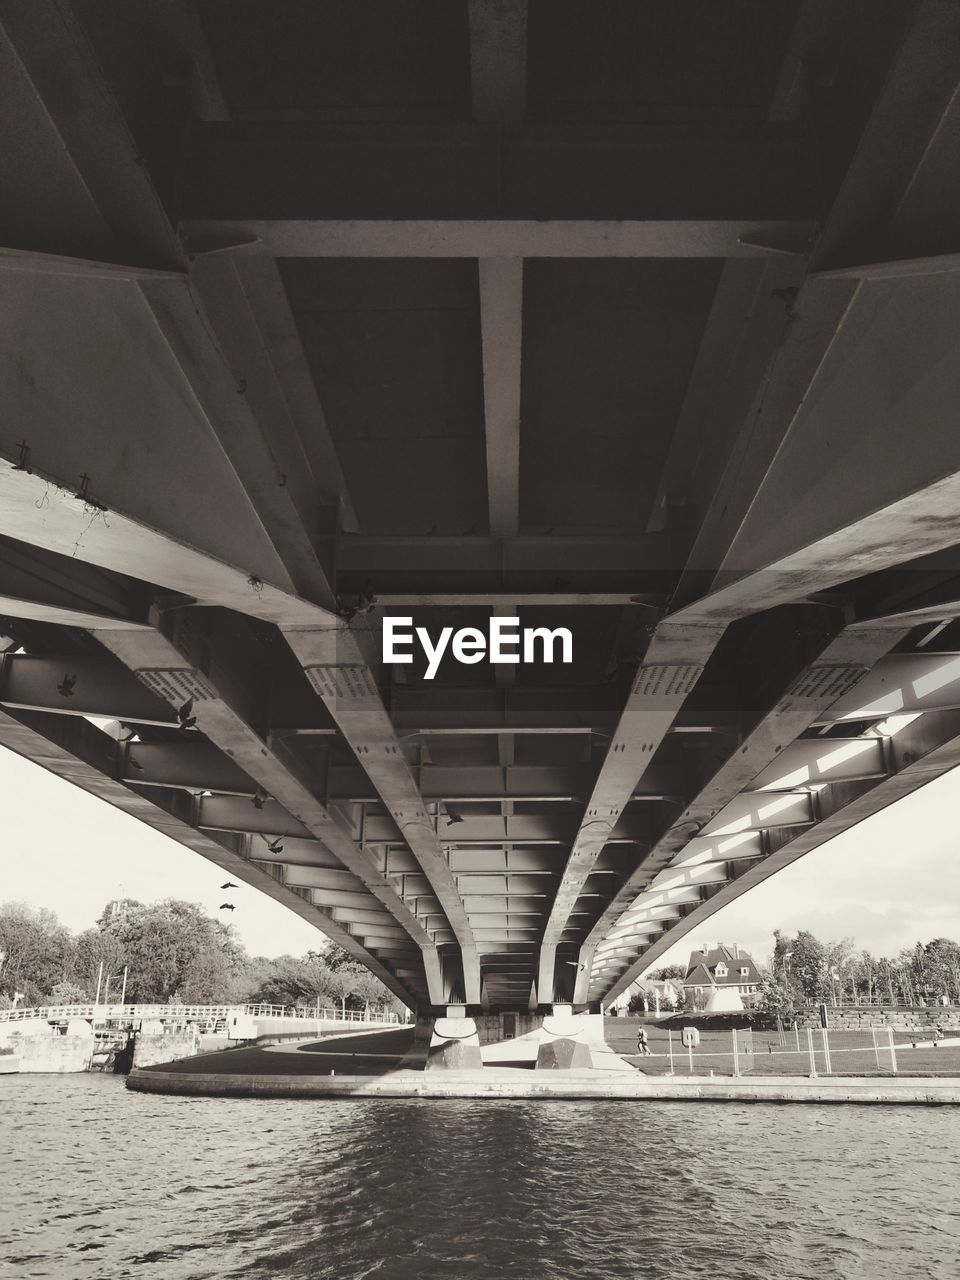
(191, 1012)
(930, 1050)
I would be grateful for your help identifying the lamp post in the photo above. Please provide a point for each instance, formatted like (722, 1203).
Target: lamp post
(788, 971)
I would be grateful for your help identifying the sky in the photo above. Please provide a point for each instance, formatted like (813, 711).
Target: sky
(64, 849)
(887, 883)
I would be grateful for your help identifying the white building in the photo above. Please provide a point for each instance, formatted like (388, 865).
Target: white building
(716, 976)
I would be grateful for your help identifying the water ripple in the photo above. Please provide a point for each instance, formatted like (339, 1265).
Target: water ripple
(97, 1183)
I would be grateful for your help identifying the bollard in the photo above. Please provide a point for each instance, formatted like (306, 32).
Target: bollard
(826, 1051)
(893, 1050)
(736, 1055)
(812, 1054)
(876, 1047)
(670, 1043)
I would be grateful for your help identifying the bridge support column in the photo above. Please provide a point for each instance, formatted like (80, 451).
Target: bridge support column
(564, 1045)
(454, 1043)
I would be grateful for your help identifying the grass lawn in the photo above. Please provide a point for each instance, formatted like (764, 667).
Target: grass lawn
(763, 1053)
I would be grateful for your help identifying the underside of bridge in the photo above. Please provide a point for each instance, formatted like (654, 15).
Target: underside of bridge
(640, 319)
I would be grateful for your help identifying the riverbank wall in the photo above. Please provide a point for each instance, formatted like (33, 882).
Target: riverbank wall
(167, 1046)
(919, 1019)
(552, 1086)
(53, 1055)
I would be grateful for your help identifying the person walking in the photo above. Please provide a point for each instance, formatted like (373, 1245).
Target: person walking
(643, 1047)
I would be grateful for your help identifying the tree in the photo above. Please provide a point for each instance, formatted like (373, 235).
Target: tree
(69, 993)
(329, 976)
(904, 968)
(841, 966)
(37, 951)
(801, 966)
(939, 969)
(93, 948)
(291, 980)
(173, 950)
(343, 983)
(335, 958)
(217, 972)
(115, 909)
(886, 980)
(776, 996)
(669, 971)
(369, 990)
(351, 982)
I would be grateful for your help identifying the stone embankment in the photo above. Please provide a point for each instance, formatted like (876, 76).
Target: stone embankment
(862, 1019)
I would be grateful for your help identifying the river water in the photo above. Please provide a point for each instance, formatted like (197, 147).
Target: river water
(97, 1183)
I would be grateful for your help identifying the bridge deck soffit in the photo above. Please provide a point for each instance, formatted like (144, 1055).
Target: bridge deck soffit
(85, 755)
(904, 749)
(221, 702)
(176, 292)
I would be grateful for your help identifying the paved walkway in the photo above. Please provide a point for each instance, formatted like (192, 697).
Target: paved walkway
(364, 1053)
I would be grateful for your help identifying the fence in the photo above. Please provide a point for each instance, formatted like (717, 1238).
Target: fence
(795, 1052)
(189, 1013)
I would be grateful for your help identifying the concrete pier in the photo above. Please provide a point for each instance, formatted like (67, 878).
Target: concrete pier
(454, 1044)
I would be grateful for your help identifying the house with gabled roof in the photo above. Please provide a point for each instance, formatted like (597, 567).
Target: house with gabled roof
(658, 995)
(716, 976)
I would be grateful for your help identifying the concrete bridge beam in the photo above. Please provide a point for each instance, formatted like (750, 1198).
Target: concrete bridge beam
(223, 704)
(78, 751)
(917, 753)
(338, 673)
(671, 667)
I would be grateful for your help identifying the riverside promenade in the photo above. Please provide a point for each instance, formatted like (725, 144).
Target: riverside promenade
(388, 1064)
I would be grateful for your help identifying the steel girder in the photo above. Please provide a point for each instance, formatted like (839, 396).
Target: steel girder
(86, 756)
(916, 754)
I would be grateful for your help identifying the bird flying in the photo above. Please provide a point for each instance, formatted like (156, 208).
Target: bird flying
(187, 721)
(227, 906)
(229, 885)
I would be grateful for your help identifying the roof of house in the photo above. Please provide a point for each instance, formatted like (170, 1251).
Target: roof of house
(650, 985)
(702, 968)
